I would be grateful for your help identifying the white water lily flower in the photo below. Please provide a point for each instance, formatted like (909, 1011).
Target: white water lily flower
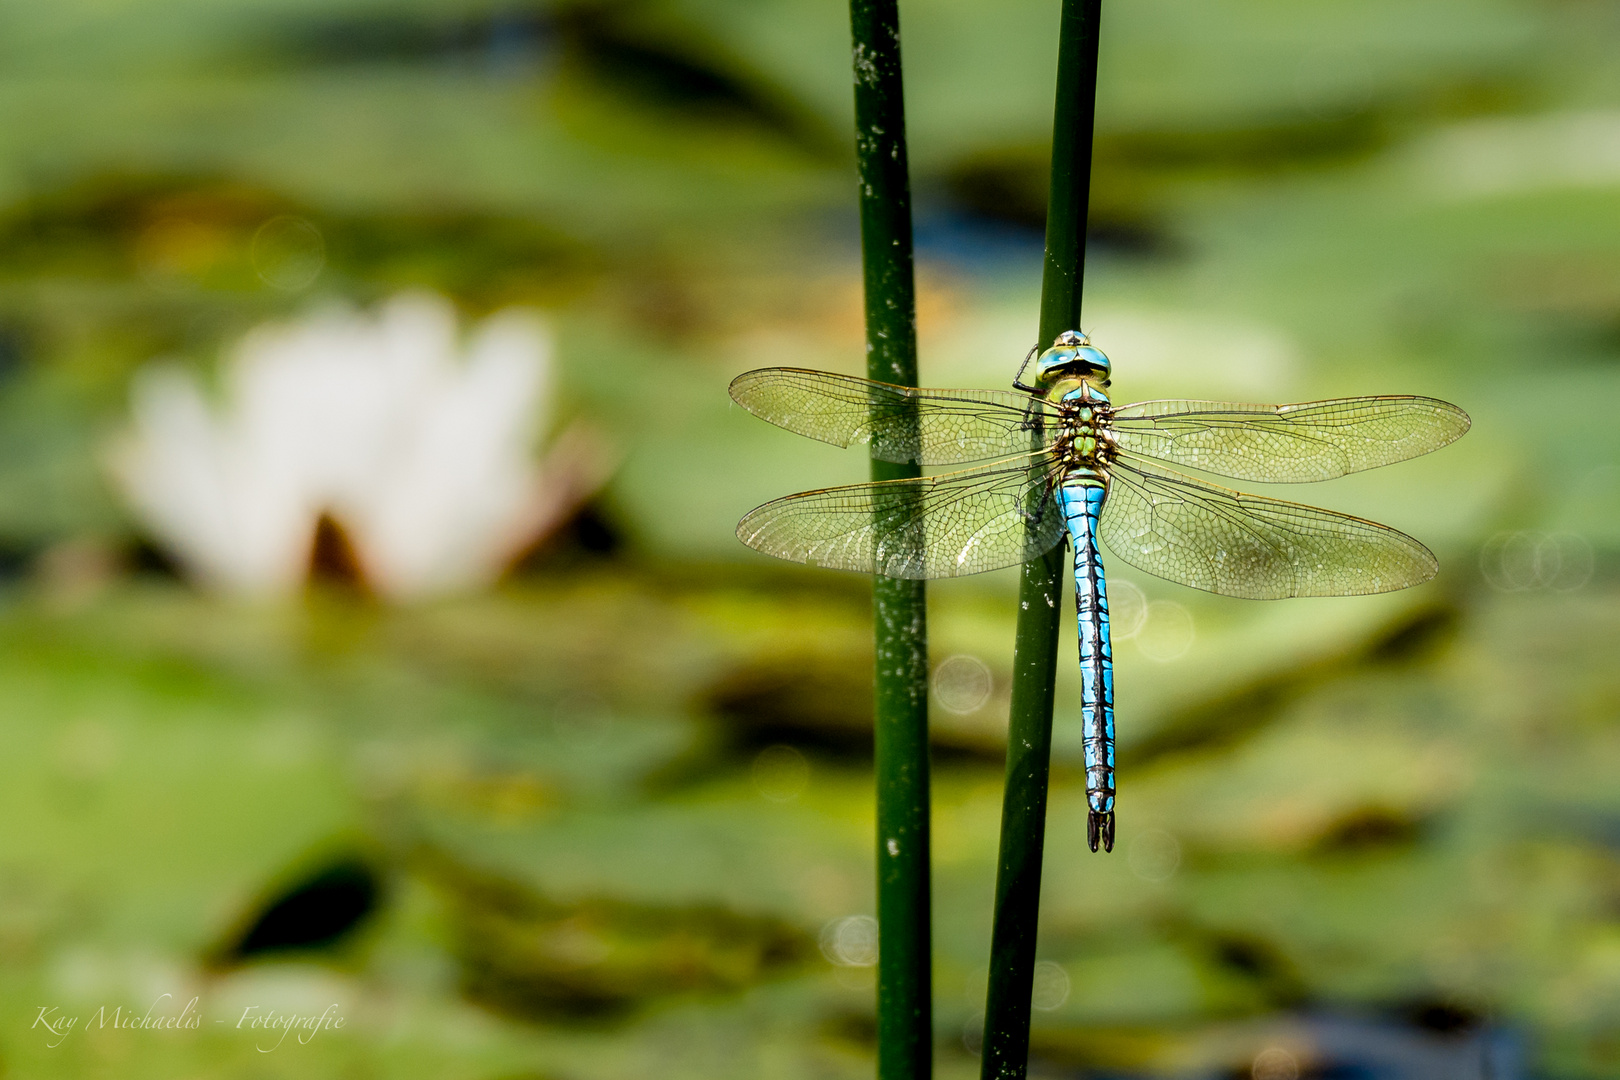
(421, 454)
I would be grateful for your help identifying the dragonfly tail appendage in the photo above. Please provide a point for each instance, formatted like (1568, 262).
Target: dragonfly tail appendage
(1082, 500)
(1100, 830)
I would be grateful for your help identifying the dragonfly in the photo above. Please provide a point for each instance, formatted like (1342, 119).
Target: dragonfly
(1053, 461)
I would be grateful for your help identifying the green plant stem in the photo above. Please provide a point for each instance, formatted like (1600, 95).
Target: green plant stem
(1029, 730)
(900, 694)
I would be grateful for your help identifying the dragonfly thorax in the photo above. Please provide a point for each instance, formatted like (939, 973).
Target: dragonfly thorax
(1084, 442)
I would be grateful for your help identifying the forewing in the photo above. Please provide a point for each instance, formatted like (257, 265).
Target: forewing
(904, 424)
(1235, 544)
(930, 527)
(1287, 444)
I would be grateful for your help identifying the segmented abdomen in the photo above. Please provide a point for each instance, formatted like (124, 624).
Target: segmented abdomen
(1082, 496)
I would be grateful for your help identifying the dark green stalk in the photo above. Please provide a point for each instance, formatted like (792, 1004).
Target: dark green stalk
(1041, 592)
(900, 695)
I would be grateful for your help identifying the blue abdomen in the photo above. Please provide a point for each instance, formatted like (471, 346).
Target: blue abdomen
(1082, 499)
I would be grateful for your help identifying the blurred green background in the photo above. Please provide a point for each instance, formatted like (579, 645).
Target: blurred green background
(613, 817)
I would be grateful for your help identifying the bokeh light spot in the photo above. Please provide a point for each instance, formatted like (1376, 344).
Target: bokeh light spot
(1167, 632)
(973, 1034)
(288, 253)
(962, 684)
(780, 773)
(1522, 561)
(1051, 986)
(1127, 609)
(851, 941)
(1154, 855)
(1275, 1063)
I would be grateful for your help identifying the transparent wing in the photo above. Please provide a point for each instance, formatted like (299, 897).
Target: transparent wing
(1227, 542)
(1287, 444)
(931, 527)
(929, 427)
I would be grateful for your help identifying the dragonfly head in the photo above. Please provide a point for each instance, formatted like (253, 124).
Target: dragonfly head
(1070, 365)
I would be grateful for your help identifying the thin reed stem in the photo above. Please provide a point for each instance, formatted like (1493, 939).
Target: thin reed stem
(1041, 592)
(905, 968)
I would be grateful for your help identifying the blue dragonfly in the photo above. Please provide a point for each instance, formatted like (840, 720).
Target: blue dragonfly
(1057, 461)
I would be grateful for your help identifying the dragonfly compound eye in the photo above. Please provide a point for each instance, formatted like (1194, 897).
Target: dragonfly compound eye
(1072, 360)
(1095, 359)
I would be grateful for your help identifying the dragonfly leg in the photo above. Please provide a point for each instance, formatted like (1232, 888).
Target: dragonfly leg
(1038, 515)
(1018, 379)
